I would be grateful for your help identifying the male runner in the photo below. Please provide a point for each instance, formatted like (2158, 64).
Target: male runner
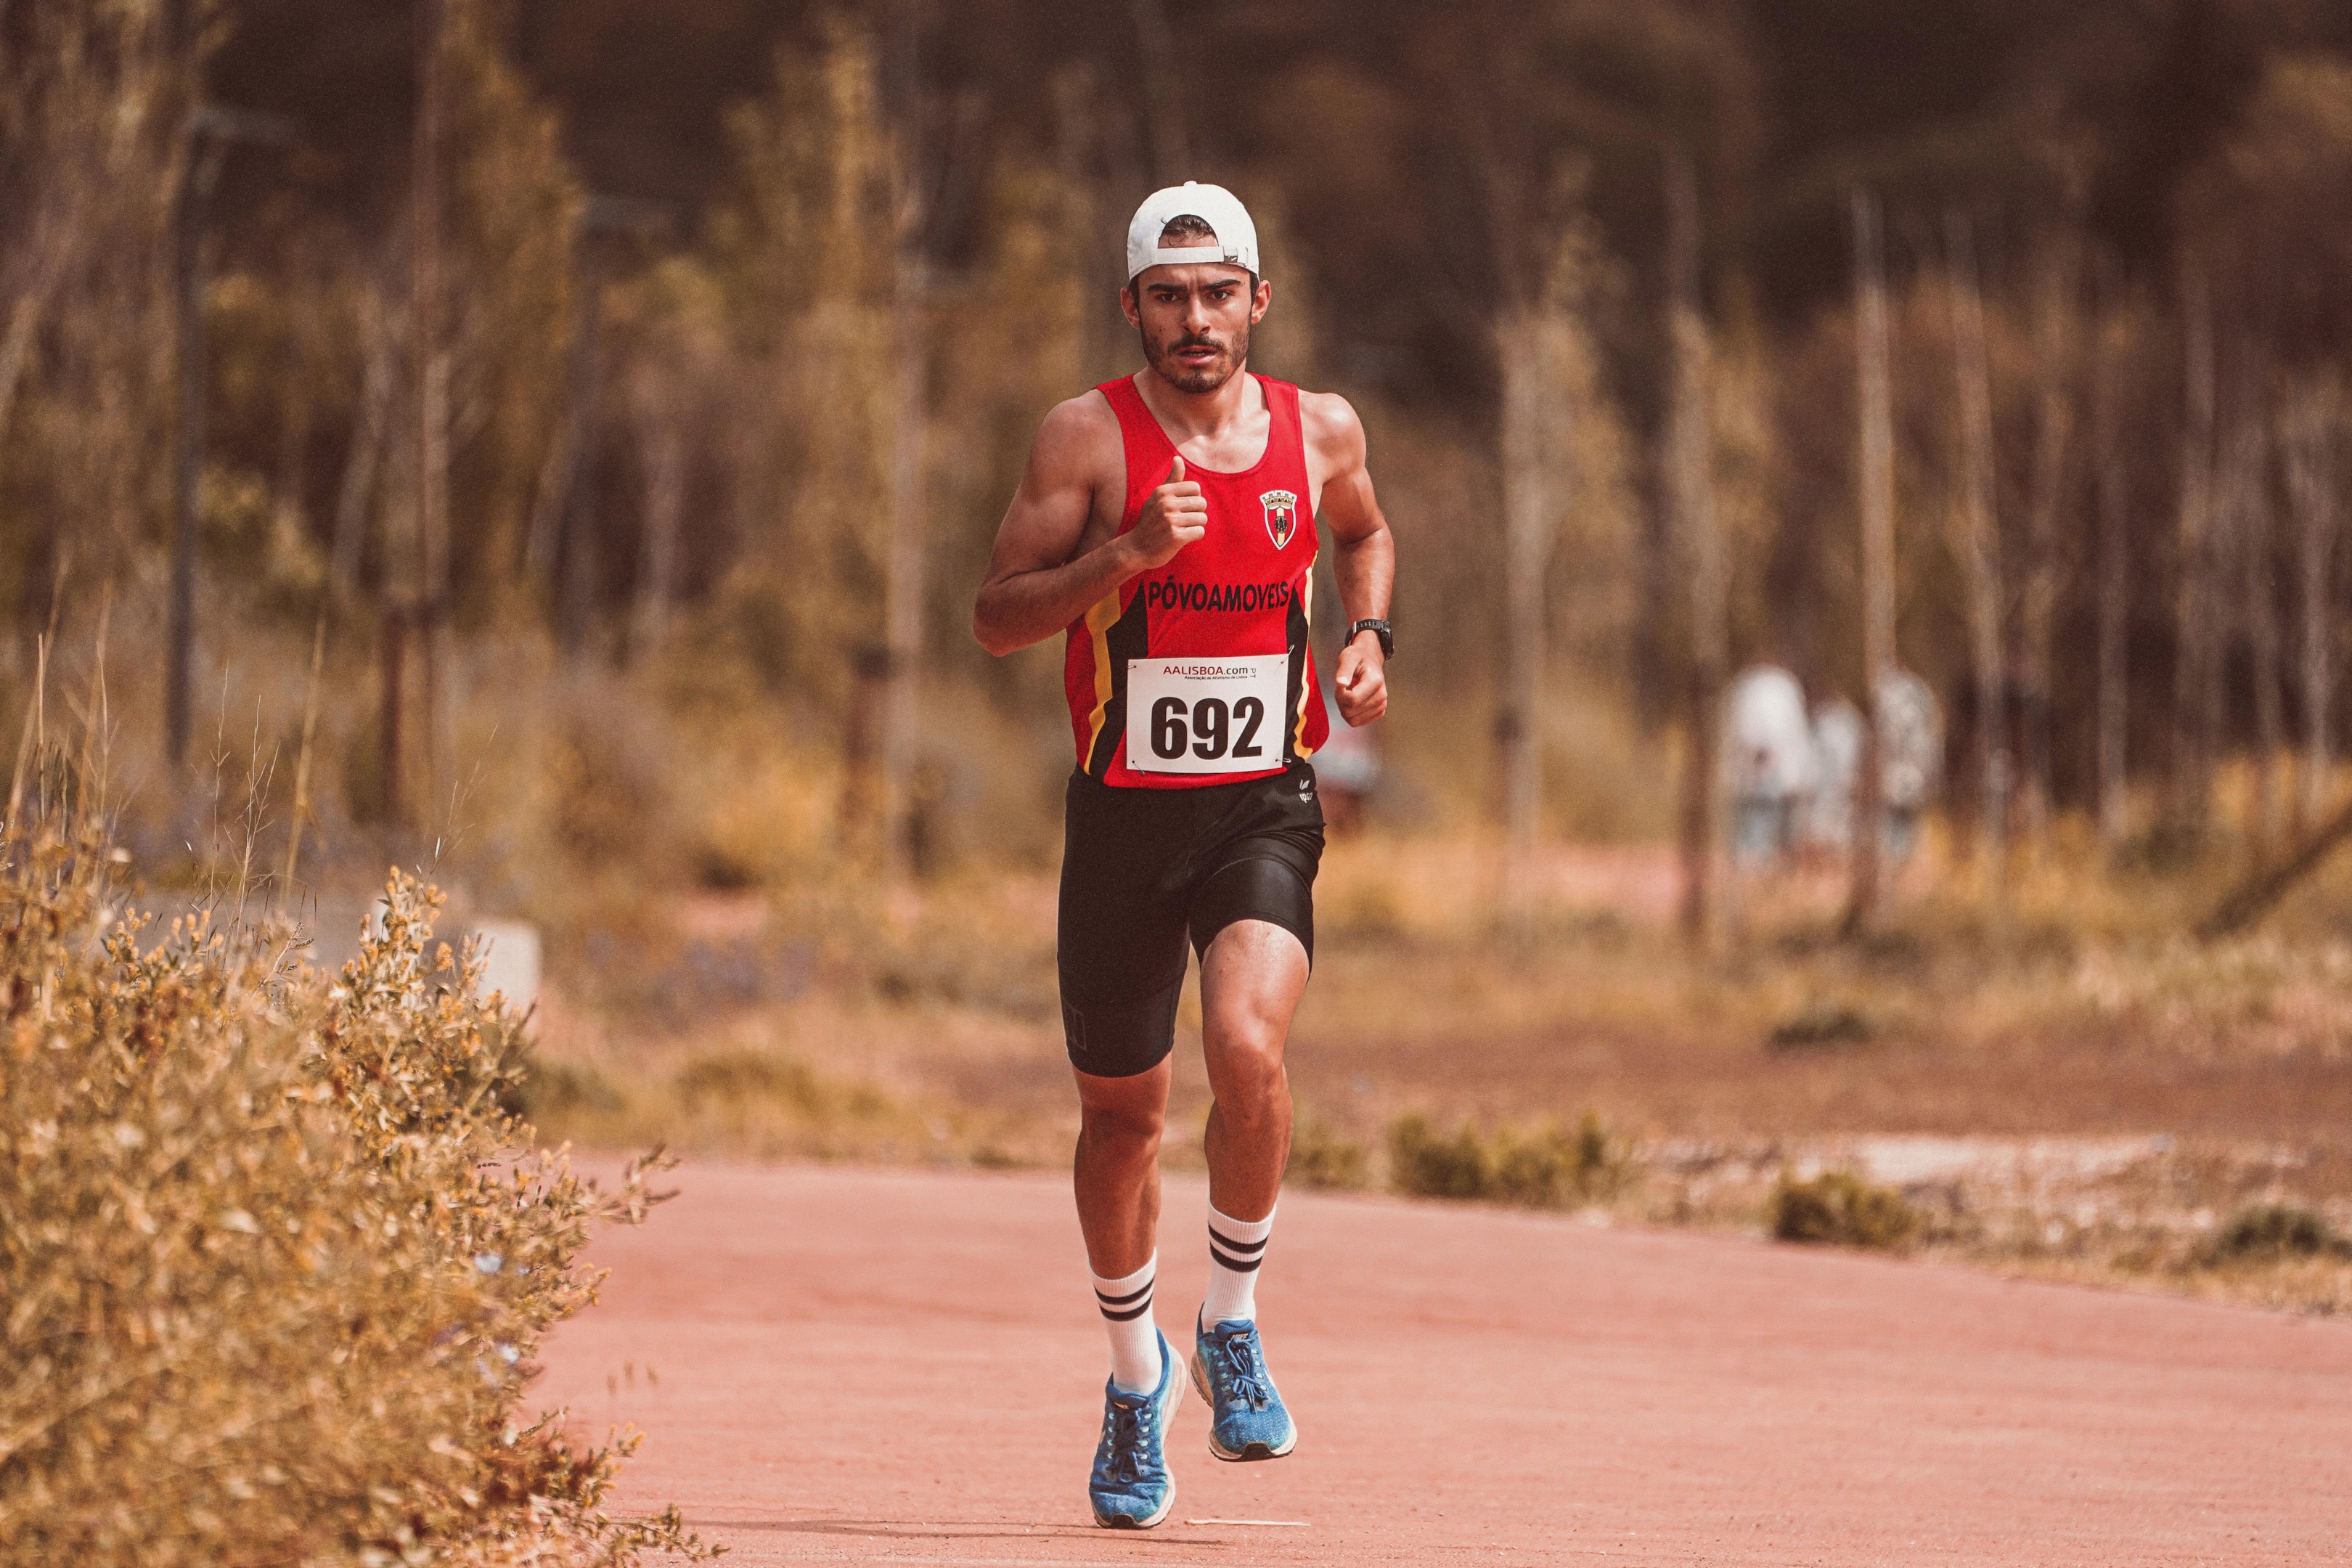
(1166, 522)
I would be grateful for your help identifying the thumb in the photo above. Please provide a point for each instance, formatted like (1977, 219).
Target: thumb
(1176, 471)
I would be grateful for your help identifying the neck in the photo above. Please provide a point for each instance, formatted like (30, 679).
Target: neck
(1190, 413)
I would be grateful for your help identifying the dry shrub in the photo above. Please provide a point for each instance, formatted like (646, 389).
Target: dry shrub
(1322, 1157)
(2273, 1233)
(277, 1259)
(736, 1077)
(750, 1100)
(1841, 1208)
(1545, 1167)
(1824, 1026)
(1427, 1164)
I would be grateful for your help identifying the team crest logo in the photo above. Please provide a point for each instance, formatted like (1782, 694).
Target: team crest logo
(1281, 516)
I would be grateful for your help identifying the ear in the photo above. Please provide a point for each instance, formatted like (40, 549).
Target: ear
(1130, 307)
(1260, 300)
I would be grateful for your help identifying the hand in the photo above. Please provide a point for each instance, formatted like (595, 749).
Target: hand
(1362, 681)
(1175, 516)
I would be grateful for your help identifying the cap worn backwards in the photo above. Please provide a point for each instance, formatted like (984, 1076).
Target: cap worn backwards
(1236, 242)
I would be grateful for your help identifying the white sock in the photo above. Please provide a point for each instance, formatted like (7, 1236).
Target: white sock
(1236, 1247)
(1126, 1304)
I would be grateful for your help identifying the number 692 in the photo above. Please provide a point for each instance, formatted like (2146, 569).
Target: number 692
(1208, 727)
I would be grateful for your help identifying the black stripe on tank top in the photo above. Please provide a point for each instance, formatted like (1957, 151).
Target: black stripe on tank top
(1299, 630)
(1129, 637)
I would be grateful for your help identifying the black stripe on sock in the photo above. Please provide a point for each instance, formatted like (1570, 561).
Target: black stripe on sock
(1238, 1264)
(1132, 1313)
(1127, 1299)
(1219, 1238)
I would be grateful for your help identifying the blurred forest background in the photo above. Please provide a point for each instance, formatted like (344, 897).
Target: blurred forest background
(635, 390)
(552, 446)
(556, 442)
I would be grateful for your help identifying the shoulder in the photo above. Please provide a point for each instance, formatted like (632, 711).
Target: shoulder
(1333, 431)
(1079, 420)
(1078, 437)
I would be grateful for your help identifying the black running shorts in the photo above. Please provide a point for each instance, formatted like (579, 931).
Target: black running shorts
(1143, 869)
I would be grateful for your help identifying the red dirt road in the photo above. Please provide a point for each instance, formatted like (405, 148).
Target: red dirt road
(884, 1366)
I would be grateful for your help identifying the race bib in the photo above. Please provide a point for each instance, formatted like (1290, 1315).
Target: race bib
(1206, 715)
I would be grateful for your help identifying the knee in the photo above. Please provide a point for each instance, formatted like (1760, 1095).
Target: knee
(1248, 1074)
(1124, 1128)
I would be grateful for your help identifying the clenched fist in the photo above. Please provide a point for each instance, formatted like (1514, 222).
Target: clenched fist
(1362, 681)
(1175, 516)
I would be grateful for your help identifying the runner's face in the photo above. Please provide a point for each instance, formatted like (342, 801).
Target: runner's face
(1195, 321)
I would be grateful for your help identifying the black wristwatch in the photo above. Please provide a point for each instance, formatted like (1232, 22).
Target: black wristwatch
(1378, 629)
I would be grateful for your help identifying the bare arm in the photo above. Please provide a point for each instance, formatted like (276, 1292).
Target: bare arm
(1038, 581)
(1365, 559)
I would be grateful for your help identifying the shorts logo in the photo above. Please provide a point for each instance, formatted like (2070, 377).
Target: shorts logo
(1281, 516)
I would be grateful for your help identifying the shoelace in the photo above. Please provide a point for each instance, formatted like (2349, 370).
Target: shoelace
(1123, 1430)
(1244, 1372)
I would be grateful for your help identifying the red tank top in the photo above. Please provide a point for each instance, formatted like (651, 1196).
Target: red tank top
(1243, 589)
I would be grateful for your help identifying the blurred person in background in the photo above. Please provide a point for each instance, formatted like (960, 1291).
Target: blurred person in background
(1838, 741)
(1166, 523)
(1768, 753)
(1911, 733)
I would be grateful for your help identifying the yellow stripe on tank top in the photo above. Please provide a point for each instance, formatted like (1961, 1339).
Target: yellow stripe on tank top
(1100, 618)
(1306, 692)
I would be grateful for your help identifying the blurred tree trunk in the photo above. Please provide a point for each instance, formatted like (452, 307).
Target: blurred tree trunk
(200, 159)
(1077, 145)
(2314, 421)
(2056, 315)
(903, 608)
(661, 445)
(1698, 548)
(1171, 147)
(54, 245)
(1874, 493)
(572, 554)
(2115, 594)
(73, 80)
(364, 460)
(903, 563)
(542, 553)
(1530, 383)
(1978, 548)
(199, 172)
(429, 374)
(2249, 507)
(2193, 739)
(307, 351)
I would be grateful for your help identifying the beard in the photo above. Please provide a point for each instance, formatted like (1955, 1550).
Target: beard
(1230, 357)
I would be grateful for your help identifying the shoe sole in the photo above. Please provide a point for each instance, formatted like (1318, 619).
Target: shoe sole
(1167, 1420)
(1250, 1452)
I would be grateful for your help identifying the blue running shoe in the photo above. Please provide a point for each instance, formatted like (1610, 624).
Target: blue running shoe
(1247, 1418)
(1131, 1488)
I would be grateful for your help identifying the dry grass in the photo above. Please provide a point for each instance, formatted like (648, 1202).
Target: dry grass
(928, 1020)
(277, 1259)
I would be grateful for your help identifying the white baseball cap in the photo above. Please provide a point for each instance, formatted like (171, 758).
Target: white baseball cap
(1212, 204)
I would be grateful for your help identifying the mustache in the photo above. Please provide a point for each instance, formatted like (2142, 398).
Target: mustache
(1191, 341)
